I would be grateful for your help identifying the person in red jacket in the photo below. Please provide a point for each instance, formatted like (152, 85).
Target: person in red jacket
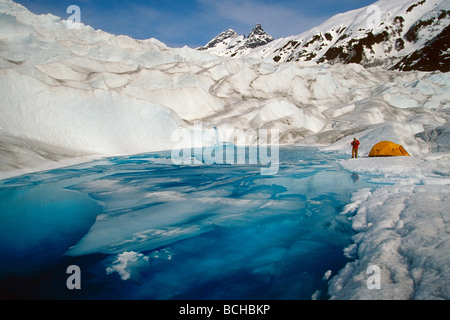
(355, 145)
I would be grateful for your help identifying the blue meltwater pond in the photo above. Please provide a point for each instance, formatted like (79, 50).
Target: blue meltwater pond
(142, 227)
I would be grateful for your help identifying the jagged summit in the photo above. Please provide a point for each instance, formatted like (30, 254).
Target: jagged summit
(257, 31)
(229, 43)
(409, 35)
(258, 37)
(223, 38)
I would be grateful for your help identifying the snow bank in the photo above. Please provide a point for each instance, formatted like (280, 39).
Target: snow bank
(402, 228)
(96, 121)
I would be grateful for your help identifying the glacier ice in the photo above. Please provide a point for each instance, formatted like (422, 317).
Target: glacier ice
(72, 96)
(178, 230)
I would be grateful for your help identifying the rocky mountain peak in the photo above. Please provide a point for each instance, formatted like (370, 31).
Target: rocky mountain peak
(257, 30)
(410, 35)
(222, 38)
(258, 37)
(230, 43)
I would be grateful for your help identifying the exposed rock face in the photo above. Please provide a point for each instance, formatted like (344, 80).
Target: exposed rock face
(409, 35)
(229, 43)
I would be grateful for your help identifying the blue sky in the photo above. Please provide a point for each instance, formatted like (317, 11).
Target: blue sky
(195, 22)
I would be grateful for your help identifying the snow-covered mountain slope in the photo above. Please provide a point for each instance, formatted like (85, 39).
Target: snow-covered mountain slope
(86, 92)
(229, 43)
(402, 34)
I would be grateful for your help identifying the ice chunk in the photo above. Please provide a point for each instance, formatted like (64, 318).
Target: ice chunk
(438, 138)
(125, 262)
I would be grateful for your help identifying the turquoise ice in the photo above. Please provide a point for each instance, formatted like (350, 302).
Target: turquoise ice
(141, 227)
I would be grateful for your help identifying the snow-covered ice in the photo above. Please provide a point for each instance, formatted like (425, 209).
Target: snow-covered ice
(85, 92)
(74, 95)
(401, 228)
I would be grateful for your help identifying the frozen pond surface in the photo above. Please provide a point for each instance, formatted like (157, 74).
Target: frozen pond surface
(140, 227)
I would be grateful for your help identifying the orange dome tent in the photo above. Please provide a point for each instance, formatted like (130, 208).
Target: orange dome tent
(387, 149)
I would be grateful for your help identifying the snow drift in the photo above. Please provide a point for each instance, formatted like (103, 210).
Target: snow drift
(401, 228)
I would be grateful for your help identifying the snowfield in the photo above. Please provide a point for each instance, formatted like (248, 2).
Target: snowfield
(69, 95)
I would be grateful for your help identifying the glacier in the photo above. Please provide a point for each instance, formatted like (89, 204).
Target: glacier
(71, 96)
(140, 227)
